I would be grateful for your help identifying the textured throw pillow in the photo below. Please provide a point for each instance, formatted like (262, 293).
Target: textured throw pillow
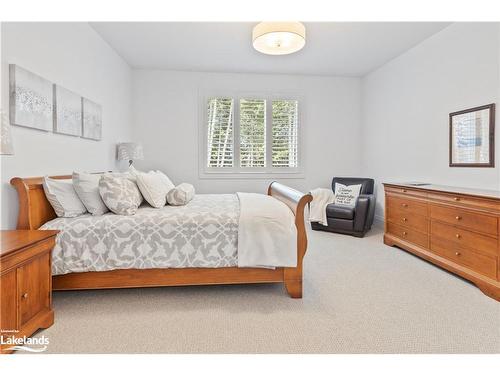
(168, 183)
(346, 195)
(87, 187)
(154, 187)
(62, 196)
(120, 195)
(180, 195)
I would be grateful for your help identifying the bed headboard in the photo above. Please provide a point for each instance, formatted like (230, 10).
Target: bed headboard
(34, 208)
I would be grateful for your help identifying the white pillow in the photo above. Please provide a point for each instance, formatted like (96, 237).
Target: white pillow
(180, 195)
(153, 188)
(63, 198)
(168, 183)
(120, 195)
(346, 195)
(87, 187)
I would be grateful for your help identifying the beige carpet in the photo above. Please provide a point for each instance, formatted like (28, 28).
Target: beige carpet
(360, 296)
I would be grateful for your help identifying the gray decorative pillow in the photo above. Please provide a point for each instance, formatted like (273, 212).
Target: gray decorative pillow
(120, 195)
(180, 195)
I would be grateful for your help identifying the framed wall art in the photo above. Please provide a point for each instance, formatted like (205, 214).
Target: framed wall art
(31, 99)
(68, 112)
(472, 137)
(92, 120)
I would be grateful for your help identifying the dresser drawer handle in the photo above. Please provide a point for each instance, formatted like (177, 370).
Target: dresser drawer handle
(457, 254)
(404, 219)
(404, 233)
(404, 205)
(458, 217)
(403, 190)
(25, 296)
(457, 235)
(456, 199)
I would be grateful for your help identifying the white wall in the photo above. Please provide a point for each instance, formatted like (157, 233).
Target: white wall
(74, 56)
(166, 121)
(391, 125)
(406, 103)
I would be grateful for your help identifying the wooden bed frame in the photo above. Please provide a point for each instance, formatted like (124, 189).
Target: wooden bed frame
(35, 210)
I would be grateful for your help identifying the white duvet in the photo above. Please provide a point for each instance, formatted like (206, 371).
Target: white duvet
(267, 236)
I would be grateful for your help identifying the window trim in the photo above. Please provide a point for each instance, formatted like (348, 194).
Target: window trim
(237, 172)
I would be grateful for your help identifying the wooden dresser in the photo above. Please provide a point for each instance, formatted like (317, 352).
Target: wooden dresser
(455, 228)
(25, 282)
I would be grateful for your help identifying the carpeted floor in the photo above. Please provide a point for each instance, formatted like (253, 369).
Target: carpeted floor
(360, 296)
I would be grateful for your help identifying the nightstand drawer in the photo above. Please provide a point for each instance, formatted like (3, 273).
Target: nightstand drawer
(466, 219)
(33, 280)
(8, 308)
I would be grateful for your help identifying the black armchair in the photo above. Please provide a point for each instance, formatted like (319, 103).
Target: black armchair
(355, 220)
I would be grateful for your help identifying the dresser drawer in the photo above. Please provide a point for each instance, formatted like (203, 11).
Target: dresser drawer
(405, 191)
(480, 263)
(466, 201)
(482, 244)
(406, 220)
(465, 219)
(408, 205)
(410, 235)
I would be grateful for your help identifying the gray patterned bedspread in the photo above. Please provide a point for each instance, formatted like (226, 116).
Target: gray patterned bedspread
(203, 233)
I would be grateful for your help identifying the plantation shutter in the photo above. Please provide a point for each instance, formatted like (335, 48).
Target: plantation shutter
(220, 146)
(252, 133)
(285, 134)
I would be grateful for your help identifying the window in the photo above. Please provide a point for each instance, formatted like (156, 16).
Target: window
(249, 134)
(285, 139)
(220, 133)
(252, 133)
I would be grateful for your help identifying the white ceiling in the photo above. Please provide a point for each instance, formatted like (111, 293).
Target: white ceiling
(343, 49)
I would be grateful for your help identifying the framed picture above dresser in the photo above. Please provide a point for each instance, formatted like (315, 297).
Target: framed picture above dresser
(455, 228)
(472, 137)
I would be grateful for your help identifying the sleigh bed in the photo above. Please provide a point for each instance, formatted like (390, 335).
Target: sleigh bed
(35, 212)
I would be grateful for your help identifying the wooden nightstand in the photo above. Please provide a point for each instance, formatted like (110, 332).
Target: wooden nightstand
(25, 282)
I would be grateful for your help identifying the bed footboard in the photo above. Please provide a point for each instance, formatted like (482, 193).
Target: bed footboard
(297, 201)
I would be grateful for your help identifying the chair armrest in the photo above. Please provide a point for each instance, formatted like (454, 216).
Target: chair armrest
(364, 212)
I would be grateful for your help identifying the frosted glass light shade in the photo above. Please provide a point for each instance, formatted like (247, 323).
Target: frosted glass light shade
(129, 151)
(279, 38)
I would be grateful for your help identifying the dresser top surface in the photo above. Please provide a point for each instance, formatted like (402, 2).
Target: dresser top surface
(494, 194)
(12, 240)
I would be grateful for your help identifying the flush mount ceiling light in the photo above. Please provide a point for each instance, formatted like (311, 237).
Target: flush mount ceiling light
(279, 38)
